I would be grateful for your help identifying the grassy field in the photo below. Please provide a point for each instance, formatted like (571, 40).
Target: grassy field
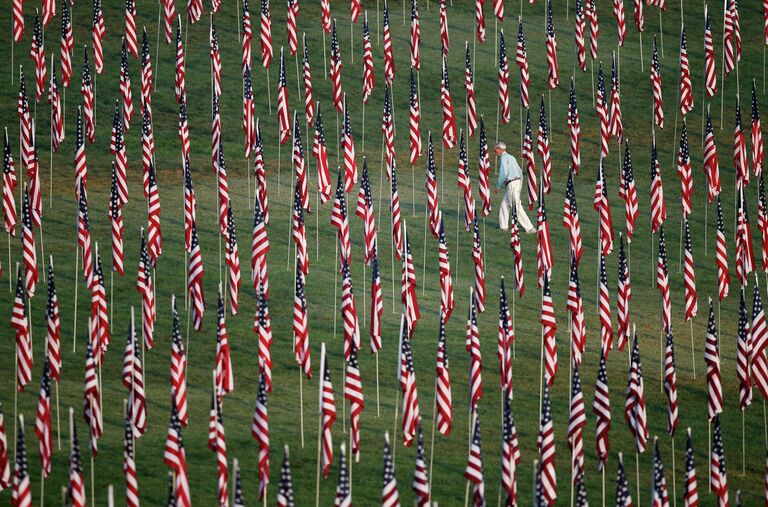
(745, 463)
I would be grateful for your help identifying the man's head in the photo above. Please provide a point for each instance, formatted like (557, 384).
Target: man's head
(499, 148)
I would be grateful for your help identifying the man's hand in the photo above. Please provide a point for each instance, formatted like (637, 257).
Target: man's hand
(495, 190)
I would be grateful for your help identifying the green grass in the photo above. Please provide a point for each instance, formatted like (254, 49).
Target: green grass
(450, 453)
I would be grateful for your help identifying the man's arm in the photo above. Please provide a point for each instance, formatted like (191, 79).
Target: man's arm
(503, 170)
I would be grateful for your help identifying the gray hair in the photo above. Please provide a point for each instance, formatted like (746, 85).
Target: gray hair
(501, 146)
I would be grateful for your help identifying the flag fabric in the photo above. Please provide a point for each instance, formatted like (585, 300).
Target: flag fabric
(434, 213)
(510, 454)
(49, 11)
(718, 479)
(174, 455)
(349, 312)
(169, 14)
(389, 494)
(84, 235)
(604, 310)
(670, 384)
(577, 419)
(260, 432)
(551, 43)
(575, 306)
(529, 163)
(309, 102)
(759, 339)
(129, 463)
(407, 379)
(10, 182)
(658, 204)
(300, 324)
(684, 172)
(216, 57)
(348, 146)
(125, 87)
(477, 259)
(388, 131)
(634, 406)
(710, 73)
(394, 206)
(364, 210)
(118, 149)
(218, 444)
(92, 401)
(299, 164)
(659, 495)
(414, 123)
(147, 84)
(745, 259)
(408, 286)
(542, 149)
(320, 154)
(601, 407)
(66, 45)
(53, 327)
(249, 115)
(265, 35)
(757, 137)
(472, 345)
(503, 81)
(469, 87)
(521, 59)
(762, 221)
(99, 331)
(224, 376)
(603, 112)
(285, 496)
(662, 282)
(145, 287)
(711, 166)
(465, 184)
(731, 37)
(325, 15)
(690, 488)
(505, 341)
(134, 373)
(336, 71)
(549, 328)
(574, 127)
(689, 275)
(97, 32)
(29, 250)
(25, 120)
(178, 368)
(686, 88)
(543, 244)
(517, 255)
(712, 358)
(327, 415)
(21, 495)
(37, 54)
(480, 20)
(444, 36)
(190, 205)
(353, 392)
(369, 78)
(389, 58)
(571, 219)
(420, 484)
(638, 13)
(340, 220)
(247, 37)
(415, 36)
(484, 167)
(623, 497)
(743, 356)
(474, 469)
(579, 30)
(546, 447)
(443, 393)
(283, 121)
(232, 260)
(299, 231)
(377, 305)
(446, 102)
(154, 231)
(194, 10)
(43, 429)
(658, 101)
(616, 125)
(621, 25)
(76, 480)
(262, 326)
(195, 280)
(740, 149)
(594, 27)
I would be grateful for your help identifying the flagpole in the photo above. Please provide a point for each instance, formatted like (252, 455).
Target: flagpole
(336, 286)
(432, 444)
(157, 44)
(661, 33)
(424, 257)
(269, 100)
(50, 186)
(709, 452)
(74, 330)
(722, 71)
(279, 162)
(693, 352)
(637, 473)
(320, 422)
(674, 473)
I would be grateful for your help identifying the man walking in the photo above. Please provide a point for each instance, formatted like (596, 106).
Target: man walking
(510, 177)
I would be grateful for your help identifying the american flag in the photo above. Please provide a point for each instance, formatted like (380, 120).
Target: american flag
(575, 306)
(662, 282)
(147, 84)
(130, 28)
(92, 400)
(604, 310)
(517, 254)
(169, 14)
(53, 323)
(325, 15)
(670, 384)
(465, 184)
(129, 463)
(292, 15)
(29, 250)
(377, 305)
(184, 129)
(33, 173)
(484, 167)
(37, 54)
(320, 154)
(194, 10)
(99, 331)
(348, 146)
(232, 259)
(571, 219)
(623, 497)
(543, 244)
(743, 356)
(353, 391)
(125, 87)
(76, 480)
(634, 406)
(406, 375)
(349, 312)
(299, 164)
(260, 174)
(712, 358)
(9, 186)
(710, 73)
(740, 149)
(480, 20)
(433, 203)
(285, 496)
(659, 495)
(718, 479)
(745, 259)
(603, 113)
(449, 118)
(327, 414)
(43, 430)
(389, 58)
(117, 148)
(263, 327)
(684, 171)
(178, 367)
(546, 446)
(215, 59)
(369, 78)
(301, 325)
(443, 394)
(529, 162)
(336, 71)
(616, 126)
(408, 285)
(364, 210)
(175, 457)
(145, 287)
(25, 121)
(731, 37)
(474, 469)
(574, 126)
(757, 137)
(190, 205)
(521, 59)
(552, 73)
(224, 376)
(265, 35)
(245, 23)
(309, 101)
(472, 345)
(343, 490)
(503, 81)
(18, 20)
(414, 123)
(445, 42)
(237, 500)
(621, 25)
(594, 27)
(388, 131)
(469, 87)
(299, 233)
(689, 275)
(477, 259)
(97, 32)
(420, 484)
(340, 221)
(389, 494)
(510, 454)
(154, 232)
(354, 8)
(195, 279)
(415, 36)
(67, 44)
(283, 122)
(549, 328)
(542, 149)
(638, 13)
(686, 88)
(218, 444)
(49, 11)
(133, 372)
(658, 100)
(249, 119)
(762, 221)
(260, 432)
(579, 29)
(711, 166)
(505, 341)
(690, 488)
(601, 407)
(21, 495)
(397, 236)
(577, 419)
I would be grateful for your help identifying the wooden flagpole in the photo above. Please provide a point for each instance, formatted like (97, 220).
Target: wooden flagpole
(432, 444)
(320, 423)
(74, 331)
(269, 101)
(378, 409)
(336, 286)
(722, 70)
(674, 474)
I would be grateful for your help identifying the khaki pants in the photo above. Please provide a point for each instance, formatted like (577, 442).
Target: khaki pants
(512, 199)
